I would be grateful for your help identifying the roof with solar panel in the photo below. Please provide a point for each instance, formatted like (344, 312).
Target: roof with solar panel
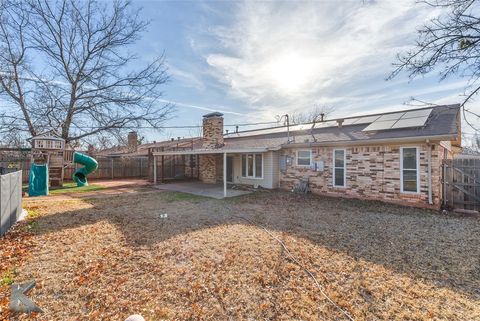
(438, 121)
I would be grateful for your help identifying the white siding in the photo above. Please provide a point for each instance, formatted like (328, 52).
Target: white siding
(275, 170)
(270, 171)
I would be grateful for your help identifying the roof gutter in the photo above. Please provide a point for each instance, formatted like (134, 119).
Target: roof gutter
(373, 141)
(212, 151)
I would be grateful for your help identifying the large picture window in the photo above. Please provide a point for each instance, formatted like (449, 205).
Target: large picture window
(304, 157)
(339, 168)
(409, 163)
(252, 165)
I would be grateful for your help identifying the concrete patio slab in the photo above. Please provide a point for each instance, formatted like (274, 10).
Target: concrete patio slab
(201, 189)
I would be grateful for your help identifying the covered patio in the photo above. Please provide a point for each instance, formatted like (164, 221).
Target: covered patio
(208, 171)
(202, 189)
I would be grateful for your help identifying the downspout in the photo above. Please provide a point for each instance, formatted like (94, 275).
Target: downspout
(429, 172)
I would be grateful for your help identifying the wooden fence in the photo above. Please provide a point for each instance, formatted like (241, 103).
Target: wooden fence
(10, 200)
(108, 168)
(111, 168)
(461, 183)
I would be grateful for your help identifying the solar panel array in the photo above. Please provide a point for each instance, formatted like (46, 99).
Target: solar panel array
(292, 128)
(416, 118)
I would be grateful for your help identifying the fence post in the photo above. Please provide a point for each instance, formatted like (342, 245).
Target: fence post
(4, 224)
(140, 174)
(444, 174)
(111, 166)
(155, 169)
(10, 200)
(475, 161)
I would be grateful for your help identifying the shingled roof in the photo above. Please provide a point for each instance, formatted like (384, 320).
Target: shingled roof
(442, 124)
(142, 150)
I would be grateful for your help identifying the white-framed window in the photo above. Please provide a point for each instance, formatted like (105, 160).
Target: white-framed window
(409, 174)
(39, 144)
(304, 157)
(252, 166)
(339, 168)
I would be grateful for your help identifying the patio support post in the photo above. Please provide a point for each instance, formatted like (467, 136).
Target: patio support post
(163, 166)
(224, 174)
(155, 169)
(163, 169)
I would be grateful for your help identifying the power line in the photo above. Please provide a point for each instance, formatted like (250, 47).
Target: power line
(167, 127)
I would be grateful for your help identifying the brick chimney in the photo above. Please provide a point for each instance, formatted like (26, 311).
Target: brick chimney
(212, 130)
(132, 142)
(91, 150)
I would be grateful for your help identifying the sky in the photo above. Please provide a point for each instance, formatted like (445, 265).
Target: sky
(255, 60)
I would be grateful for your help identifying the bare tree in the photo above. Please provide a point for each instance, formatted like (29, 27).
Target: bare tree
(472, 144)
(450, 44)
(12, 139)
(310, 116)
(65, 66)
(196, 131)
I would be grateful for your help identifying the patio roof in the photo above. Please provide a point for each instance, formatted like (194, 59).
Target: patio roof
(220, 151)
(214, 151)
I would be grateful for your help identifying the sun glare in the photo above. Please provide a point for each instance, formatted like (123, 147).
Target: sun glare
(290, 72)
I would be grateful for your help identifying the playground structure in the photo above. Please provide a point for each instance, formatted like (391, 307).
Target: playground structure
(49, 157)
(90, 165)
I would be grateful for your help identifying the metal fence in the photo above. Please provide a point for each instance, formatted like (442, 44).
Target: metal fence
(10, 200)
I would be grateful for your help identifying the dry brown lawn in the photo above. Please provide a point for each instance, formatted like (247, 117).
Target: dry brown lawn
(107, 258)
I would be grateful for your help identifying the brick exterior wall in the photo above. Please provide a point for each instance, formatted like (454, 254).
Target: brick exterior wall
(219, 167)
(212, 132)
(208, 170)
(372, 172)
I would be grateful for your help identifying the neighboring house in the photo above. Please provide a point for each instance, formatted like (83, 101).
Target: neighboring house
(394, 157)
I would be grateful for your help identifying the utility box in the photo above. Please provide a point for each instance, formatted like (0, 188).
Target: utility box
(320, 166)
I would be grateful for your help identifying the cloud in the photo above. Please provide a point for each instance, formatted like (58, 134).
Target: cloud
(186, 78)
(284, 56)
(221, 109)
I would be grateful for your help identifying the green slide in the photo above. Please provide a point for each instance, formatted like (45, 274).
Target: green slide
(38, 180)
(80, 175)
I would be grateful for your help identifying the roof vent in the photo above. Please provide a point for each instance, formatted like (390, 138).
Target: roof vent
(340, 122)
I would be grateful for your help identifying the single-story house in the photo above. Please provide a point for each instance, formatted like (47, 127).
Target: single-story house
(395, 156)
